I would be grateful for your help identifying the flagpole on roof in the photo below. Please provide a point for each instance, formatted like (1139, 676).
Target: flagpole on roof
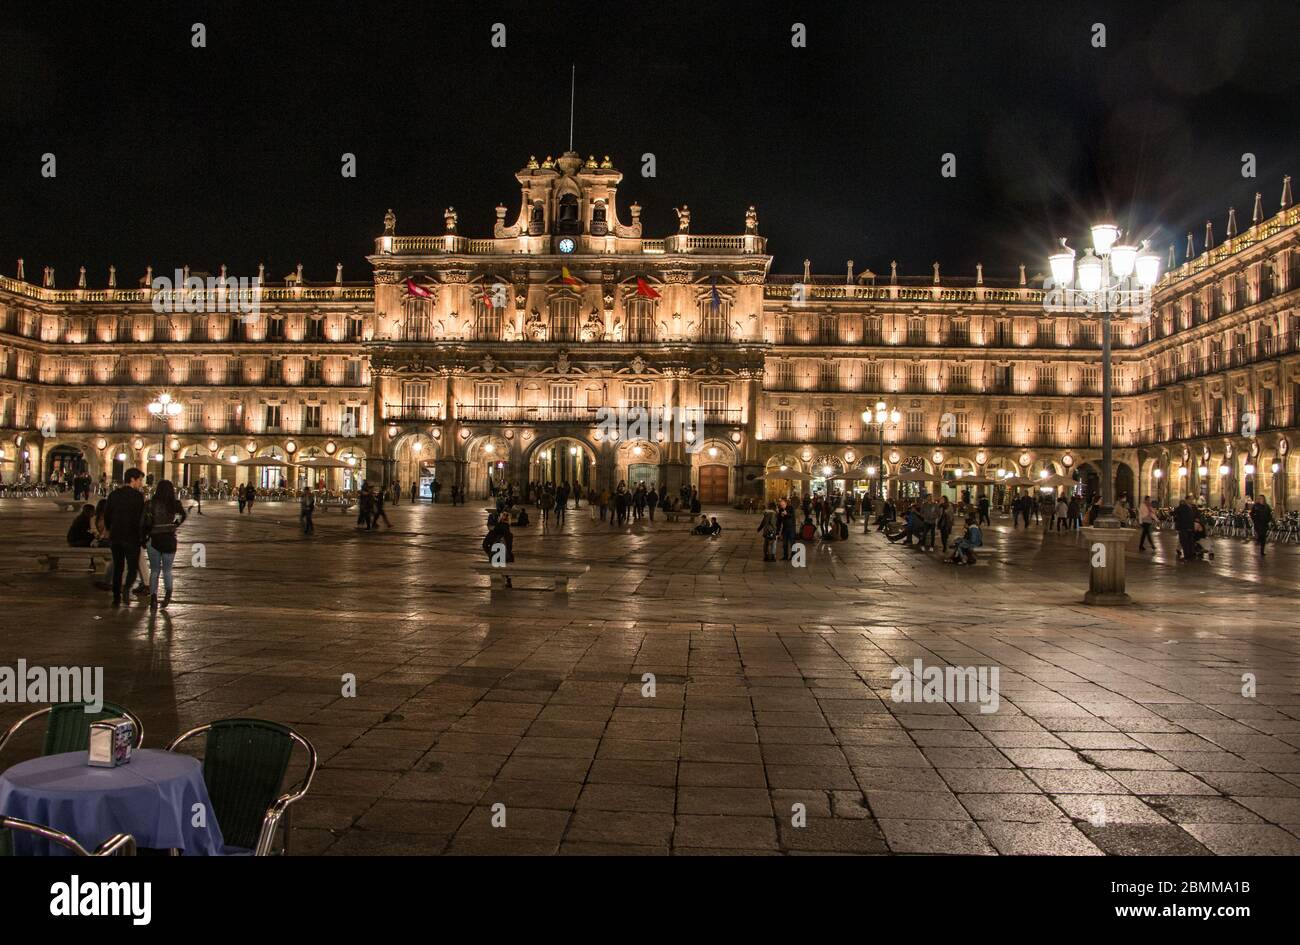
(573, 90)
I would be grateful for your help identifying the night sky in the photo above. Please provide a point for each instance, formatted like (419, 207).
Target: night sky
(169, 155)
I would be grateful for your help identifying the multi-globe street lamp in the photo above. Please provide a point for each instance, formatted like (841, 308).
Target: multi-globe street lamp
(1110, 275)
(163, 408)
(882, 415)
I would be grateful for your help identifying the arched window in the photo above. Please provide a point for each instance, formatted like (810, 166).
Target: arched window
(567, 218)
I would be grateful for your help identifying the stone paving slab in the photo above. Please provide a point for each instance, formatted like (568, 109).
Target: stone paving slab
(771, 728)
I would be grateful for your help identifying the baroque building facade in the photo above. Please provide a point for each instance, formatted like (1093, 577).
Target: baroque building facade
(496, 359)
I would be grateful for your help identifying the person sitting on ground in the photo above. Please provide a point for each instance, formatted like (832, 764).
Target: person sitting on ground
(714, 528)
(703, 527)
(498, 535)
(807, 531)
(521, 516)
(971, 539)
(81, 534)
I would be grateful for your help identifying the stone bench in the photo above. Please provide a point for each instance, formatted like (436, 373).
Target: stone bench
(49, 557)
(343, 504)
(558, 572)
(69, 505)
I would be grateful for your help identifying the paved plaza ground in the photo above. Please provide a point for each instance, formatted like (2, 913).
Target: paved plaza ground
(1118, 730)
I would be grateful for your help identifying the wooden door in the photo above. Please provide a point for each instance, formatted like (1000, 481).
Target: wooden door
(713, 485)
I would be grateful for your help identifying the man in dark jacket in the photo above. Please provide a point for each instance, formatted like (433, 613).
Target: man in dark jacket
(1261, 516)
(1185, 517)
(122, 517)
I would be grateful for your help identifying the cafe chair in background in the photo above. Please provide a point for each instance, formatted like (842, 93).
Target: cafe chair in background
(68, 728)
(244, 766)
(120, 844)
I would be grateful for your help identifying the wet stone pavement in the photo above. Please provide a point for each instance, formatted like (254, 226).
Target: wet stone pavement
(1116, 731)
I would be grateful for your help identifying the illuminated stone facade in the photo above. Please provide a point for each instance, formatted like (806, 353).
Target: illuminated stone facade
(495, 357)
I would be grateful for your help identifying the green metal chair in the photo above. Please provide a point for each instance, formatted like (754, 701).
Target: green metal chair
(120, 844)
(244, 765)
(68, 728)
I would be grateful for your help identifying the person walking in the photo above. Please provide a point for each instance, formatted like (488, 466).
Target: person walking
(785, 526)
(250, 496)
(1261, 516)
(365, 506)
(378, 511)
(1147, 519)
(620, 502)
(163, 515)
(1062, 514)
(929, 517)
(547, 505)
(1185, 519)
(122, 518)
(604, 503)
(561, 503)
(767, 529)
(307, 508)
(239, 494)
(196, 491)
(983, 514)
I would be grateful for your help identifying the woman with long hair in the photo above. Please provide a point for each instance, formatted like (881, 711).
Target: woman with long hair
(162, 516)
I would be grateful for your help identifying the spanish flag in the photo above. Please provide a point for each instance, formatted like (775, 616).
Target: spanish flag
(417, 290)
(644, 290)
(567, 277)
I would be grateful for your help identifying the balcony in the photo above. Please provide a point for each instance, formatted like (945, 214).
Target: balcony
(474, 413)
(411, 413)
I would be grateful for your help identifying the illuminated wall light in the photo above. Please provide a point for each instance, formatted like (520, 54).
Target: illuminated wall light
(1250, 469)
(1224, 470)
(1203, 471)
(1182, 472)
(121, 457)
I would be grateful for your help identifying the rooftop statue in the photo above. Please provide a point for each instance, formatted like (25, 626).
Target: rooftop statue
(390, 222)
(683, 218)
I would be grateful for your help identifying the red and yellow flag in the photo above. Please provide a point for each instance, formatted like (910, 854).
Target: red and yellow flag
(567, 277)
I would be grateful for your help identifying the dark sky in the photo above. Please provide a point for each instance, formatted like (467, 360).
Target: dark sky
(172, 155)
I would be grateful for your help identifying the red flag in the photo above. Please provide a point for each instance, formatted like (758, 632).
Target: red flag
(644, 290)
(418, 290)
(567, 278)
(487, 296)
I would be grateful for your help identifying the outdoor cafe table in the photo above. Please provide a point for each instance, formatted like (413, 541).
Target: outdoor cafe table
(152, 797)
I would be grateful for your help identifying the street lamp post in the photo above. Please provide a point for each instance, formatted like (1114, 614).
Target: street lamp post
(880, 416)
(164, 408)
(1107, 273)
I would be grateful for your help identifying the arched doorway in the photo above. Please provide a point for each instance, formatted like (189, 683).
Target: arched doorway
(639, 463)
(63, 462)
(713, 472)
(414, 462)
(1124, 482)
(562, 460)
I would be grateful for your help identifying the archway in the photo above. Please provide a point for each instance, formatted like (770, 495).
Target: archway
(1124, 482)
(414, 461)
(564, 459)
(65, 461)
(713, 464)
(638, 463)
(775, 488)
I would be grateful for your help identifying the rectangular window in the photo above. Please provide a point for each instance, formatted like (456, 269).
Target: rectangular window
(272, 417)
(564, 319)
(714, 401)
(916, 331)
(275, 371)
(315, 329)
(828, 377)
(121, 415)
(352, 373)
(194, 415)
(350, 420)
(1005, 424)
(352, 329)
(871, 376)
(785, 375)
(275, 329)
(916, 377)
(83, 413)
(62, 410)
(1089, 380)
(1046, 379)
(562, 397)
(311, 418)
(312, 371)
(784, 419)
(1046, 426)
(959, 378)
(1088, 428)
(915, 422)
(963, 425)
(871, 334)
(826, 422)
(638, 396)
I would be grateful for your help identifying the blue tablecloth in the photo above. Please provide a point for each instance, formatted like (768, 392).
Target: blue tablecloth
(152, 798)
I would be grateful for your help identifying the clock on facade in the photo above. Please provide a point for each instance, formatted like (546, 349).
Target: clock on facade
(566, 245)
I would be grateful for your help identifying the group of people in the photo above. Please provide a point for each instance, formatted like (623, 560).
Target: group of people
(932, 519)
(370, 507)
(134, 527)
